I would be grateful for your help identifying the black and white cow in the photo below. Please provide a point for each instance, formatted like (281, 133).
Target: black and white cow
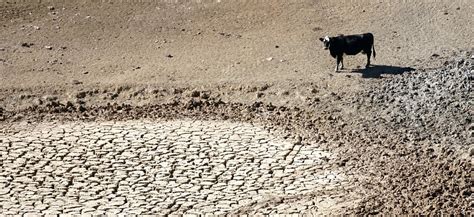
(349, 45)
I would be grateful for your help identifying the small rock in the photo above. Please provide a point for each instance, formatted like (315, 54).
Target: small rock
(284, 93)
(2, 49)
(48, 47)
(114, 96)
(81, 108)
(298, 140)
(277, 46)
(259, 94)
(204, 95)
(85, 73)
(435, 55)
(76, 82)
(269, 58)
(195, 93)
(50, 98)
(51, 8)
(264, 87)
(36, 27)
(38, 102)
(81, 95)
(169, 56)
(25, 44)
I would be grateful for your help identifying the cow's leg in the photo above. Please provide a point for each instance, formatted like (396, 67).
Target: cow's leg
(368, 59)
(338, 60)
(342, 63)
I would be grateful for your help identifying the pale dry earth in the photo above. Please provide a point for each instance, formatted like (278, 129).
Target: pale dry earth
(169, 167)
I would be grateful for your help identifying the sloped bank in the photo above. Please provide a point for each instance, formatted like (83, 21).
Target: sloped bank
(407, 140)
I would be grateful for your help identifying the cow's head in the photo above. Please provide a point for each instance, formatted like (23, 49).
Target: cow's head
(327, 42)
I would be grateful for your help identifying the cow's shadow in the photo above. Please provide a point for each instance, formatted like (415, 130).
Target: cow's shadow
(376, 71)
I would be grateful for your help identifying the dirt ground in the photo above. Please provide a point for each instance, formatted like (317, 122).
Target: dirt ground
(255, 61)
(100, 45)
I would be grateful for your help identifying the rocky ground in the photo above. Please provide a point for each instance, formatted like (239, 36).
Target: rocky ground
(93, 95)
(406, 143)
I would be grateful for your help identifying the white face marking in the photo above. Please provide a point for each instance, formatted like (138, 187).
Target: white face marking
(326, 38)
(326, 42)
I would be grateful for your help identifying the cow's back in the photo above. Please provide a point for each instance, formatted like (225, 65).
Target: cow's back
(354, 44)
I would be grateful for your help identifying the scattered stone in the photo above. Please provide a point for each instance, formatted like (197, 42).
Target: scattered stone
(259, 94)
(81, 95)
(50, 98)
(48, 47)
(169, 56)
(264, 87)
(51, 8)
(205, 95)
(269, 58)
(81, 108)
(195, 93)
(76, 82)
(284, 93)
(299, 139)
(25, 44)
(36, 27)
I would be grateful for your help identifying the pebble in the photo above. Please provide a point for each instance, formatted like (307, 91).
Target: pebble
(76, 82)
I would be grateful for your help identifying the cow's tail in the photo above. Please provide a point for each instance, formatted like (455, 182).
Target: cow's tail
(373, 49)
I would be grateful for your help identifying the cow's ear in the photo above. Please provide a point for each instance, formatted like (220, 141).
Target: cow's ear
(321, 39)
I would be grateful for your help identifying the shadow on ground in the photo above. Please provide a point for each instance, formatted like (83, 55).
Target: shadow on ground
(376, 71)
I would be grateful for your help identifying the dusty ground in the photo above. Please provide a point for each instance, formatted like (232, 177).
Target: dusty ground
(106, 46)
(403, 137)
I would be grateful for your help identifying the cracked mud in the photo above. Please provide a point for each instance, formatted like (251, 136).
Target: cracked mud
(147, 167)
